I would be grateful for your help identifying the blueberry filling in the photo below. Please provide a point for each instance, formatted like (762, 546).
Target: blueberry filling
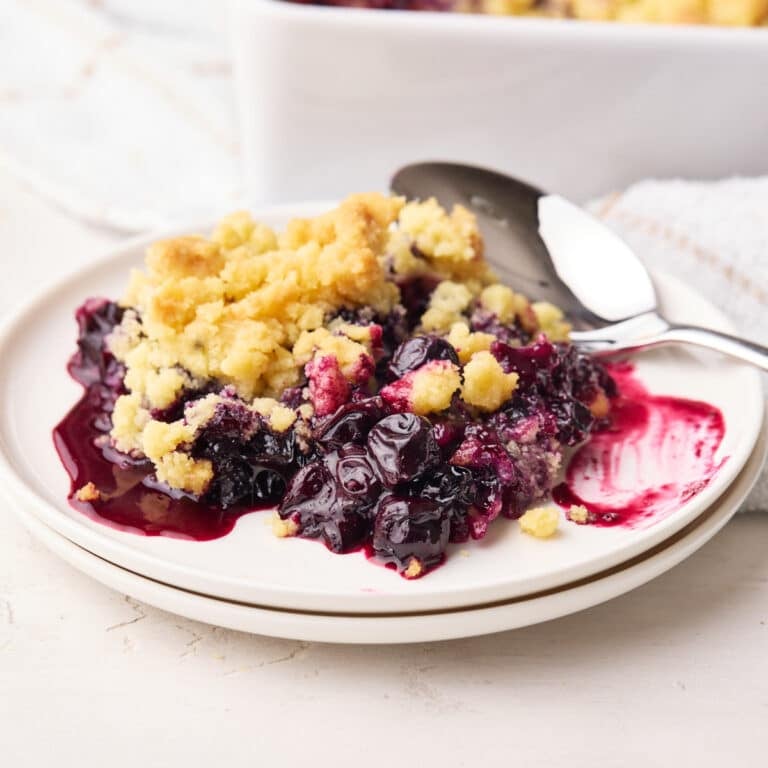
(415, 352)
(93, 362)
(410, 532)
(350, 424)
(387, 435)
(401, 483)
(332, 498)
(401, 448)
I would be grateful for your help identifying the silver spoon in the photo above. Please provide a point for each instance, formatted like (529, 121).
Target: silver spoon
(550, 249)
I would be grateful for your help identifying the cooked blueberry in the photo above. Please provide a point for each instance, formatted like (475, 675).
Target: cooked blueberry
(487, 322)
(394, 329)
(580, 376)
(448, 434)
(525, 418)
(482, 450)
(414, 352)
(233, 420)
(574, 420)
(350, 424)
(96, 319)
(459, 525)
(312, 483)
(526, 362)
(331, 498)
(453, 488)
(415, 293)
(232, 483)
(354, 473)
(268, 447)
(401, 447)
(94, 363)
(237, 482)
(489, 495)
(557, 385)
(268, 485)
(406, 529)
(175, 410)
(448, 486)
(292, 396)
(251, 463)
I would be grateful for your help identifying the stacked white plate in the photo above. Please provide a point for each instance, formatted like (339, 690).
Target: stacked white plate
(252, 581)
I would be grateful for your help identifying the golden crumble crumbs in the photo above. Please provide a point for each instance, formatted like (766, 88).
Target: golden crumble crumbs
(551, 321)
(433, 387)
(600, 406)
(467, 343)
(279, 417)
(414, 569)
(486, 386)
(541, 522)
(447, 305)
(89, 492)
(283, 528)
(252, 310)
(578, 513)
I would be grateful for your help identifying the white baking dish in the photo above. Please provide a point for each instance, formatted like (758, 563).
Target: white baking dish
(333, 100)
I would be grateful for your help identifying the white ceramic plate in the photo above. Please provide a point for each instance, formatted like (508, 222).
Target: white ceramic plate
(436, 625)
(250, 564)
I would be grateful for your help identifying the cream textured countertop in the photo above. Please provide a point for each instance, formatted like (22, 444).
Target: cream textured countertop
(671, 674)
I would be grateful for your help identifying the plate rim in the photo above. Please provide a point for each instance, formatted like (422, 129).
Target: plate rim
(117, 550)
(428, 626)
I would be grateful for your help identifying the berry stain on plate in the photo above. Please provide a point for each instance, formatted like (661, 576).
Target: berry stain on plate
(659, 452)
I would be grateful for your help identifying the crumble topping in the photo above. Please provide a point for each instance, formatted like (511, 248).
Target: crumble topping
(414, 569)
(486, 386)
(578, 513)
(507, 305)
(180, 470)
(260, 311)
(541, 522)
(428, 389)
(600, 406)
(447, 305)
(283, 529)
(467, 343)
(228, 309)
(89, 492)
(279, 417)
(551, 321)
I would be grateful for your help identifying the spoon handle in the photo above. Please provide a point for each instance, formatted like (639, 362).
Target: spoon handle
(733, 346)
(650, 330)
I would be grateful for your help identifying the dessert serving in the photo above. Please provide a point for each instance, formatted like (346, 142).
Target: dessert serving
(743, 13)
(362, 372)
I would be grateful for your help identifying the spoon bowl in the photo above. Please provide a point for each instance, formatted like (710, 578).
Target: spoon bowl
(548, 248)
(508, 214)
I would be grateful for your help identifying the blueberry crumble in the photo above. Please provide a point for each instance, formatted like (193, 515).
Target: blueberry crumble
(362, 371)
